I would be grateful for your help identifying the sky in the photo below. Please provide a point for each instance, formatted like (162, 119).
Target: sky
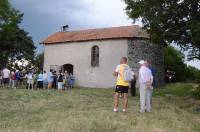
(44, 17)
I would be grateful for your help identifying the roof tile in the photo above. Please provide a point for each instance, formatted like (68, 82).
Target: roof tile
(97, 34)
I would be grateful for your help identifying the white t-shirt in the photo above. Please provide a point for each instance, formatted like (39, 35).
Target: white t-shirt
(145, 74)
(45, 76)
(6, 73)
(30, 76)
(133, 74)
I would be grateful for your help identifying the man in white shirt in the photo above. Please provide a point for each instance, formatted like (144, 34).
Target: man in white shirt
(6, 77)
(145, 81)
(30, 80)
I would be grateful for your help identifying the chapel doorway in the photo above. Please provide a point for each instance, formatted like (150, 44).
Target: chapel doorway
(69, 68)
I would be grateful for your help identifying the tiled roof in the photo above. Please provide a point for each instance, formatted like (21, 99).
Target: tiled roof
(133, 31)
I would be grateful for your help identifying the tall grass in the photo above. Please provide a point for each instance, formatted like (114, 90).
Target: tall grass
(90, 110)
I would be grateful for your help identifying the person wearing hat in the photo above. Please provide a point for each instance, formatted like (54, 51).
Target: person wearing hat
(145, 82)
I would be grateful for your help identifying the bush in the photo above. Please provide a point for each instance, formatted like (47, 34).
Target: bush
(192, 74)
(196, 92)
(174, 61)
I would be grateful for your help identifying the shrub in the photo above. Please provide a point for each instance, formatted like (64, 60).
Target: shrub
(174, 61)
(196, 92)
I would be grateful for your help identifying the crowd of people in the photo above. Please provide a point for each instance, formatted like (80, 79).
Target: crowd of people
(64, 80)
(32, 80)
(146, 79)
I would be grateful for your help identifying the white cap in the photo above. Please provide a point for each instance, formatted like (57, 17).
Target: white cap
(141, 62)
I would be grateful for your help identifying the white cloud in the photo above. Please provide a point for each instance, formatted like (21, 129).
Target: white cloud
(85, 13)
(107, 13)
(79, 14)
(195, 63)
(43, 17)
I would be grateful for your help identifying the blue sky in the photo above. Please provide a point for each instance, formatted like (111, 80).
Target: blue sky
(44, 17)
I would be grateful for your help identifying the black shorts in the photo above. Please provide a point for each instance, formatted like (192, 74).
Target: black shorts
(121, 89)
(40, 84)
(6, 80)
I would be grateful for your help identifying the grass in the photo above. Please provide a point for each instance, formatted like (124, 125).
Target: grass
(90, 110)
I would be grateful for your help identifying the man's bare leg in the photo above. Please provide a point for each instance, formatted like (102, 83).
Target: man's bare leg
(116, 101)
(125, 101)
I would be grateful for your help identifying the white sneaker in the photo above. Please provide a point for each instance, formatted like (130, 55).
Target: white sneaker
(123, 110)
(142, 111)
(115, 110)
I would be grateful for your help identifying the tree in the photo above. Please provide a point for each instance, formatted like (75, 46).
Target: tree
(193, 74)
(39, 62)
(170, 21)
(15, 44)
(174, 60)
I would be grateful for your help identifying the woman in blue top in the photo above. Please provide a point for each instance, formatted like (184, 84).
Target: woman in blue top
(71, 80)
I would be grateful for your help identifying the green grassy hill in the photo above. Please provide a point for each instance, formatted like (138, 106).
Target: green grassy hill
(90, 110)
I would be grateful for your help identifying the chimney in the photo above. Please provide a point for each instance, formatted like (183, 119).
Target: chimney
(64, 28)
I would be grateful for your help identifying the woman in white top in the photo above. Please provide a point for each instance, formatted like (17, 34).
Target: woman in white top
(30, 80)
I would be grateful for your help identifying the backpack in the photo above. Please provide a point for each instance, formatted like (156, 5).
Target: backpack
(60, 78)
(128, 74)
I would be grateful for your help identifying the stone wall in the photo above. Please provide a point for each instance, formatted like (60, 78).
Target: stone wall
(143, 49)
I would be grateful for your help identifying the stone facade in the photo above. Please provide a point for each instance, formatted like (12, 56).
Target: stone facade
(143, 49)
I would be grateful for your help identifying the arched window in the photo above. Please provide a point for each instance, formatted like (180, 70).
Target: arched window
(95, 56)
